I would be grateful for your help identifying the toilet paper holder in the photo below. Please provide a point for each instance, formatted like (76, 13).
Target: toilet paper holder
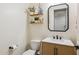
(10, 47)
(13, 47)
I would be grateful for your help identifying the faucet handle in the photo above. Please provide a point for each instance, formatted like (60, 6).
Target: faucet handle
(53, 37)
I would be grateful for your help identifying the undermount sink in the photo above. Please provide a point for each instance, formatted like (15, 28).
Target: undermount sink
(58, 41)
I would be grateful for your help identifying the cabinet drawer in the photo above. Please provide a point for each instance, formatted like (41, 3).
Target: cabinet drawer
(47, 49)
(65, 50)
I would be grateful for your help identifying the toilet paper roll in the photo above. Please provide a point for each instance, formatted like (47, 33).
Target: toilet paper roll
(14, 47)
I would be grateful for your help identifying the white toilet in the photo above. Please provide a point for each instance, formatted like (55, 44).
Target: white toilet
(34, 46)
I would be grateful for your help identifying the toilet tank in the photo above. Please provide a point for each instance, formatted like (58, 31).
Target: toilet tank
(35, 44)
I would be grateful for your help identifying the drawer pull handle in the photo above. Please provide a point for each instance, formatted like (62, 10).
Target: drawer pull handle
(55, 51)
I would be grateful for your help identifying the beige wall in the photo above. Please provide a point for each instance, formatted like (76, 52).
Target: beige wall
(78, 24)
(40, 31)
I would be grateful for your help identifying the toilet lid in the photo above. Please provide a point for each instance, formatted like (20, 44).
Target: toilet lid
(29, 52)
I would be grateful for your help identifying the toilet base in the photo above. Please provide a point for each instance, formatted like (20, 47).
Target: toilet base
(29, 52)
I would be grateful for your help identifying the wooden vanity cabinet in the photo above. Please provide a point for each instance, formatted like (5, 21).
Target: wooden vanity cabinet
(56, 49)
(46, 49)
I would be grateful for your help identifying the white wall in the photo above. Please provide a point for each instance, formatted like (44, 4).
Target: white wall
(40, 31)
(13, 27)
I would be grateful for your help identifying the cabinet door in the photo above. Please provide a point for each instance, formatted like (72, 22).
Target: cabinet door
(65, 50)
(47, 49)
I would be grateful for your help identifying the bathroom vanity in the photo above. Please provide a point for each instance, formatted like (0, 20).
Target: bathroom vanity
(51, 46)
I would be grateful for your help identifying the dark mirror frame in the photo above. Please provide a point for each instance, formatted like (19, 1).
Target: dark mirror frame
(67, 18)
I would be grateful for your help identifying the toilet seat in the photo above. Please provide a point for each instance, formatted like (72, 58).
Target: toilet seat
(29, 52)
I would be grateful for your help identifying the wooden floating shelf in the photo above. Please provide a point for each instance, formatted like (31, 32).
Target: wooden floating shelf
(35, 14)
(36, 22)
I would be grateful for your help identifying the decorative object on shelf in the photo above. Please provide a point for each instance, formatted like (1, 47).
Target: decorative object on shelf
(35, 13)
(31, 10)
(37, 20)
(40, 10)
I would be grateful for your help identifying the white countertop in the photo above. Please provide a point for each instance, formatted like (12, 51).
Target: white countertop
(58, 41)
